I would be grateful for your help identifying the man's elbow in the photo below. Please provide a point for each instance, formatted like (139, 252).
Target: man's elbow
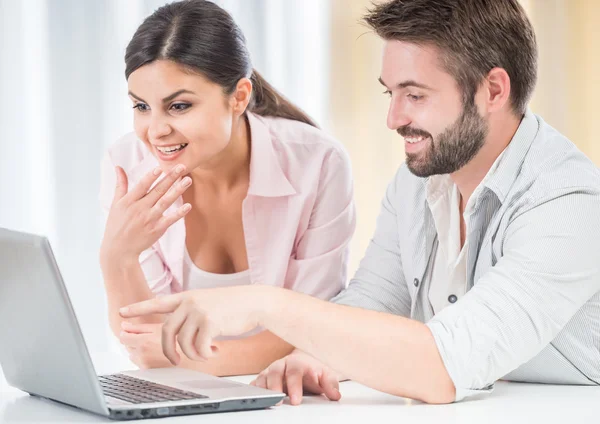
(436, 391)
(442, 393)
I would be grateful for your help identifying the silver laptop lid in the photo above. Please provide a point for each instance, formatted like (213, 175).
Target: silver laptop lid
(42, 350)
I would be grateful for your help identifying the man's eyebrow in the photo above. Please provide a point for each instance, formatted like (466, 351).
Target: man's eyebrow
(407, 83)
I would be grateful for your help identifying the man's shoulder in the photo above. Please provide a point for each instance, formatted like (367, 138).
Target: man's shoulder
(554, 164)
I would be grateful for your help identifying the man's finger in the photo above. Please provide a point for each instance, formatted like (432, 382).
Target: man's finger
(169, 334)
(293, 381)
(186, 339)
(330, 385)
(158, 305)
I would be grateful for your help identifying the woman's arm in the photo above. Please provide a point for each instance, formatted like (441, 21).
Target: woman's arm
(135, 220)
(125, 283)
(234, 357)
(244, 356)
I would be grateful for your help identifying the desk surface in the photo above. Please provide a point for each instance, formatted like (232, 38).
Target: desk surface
(510, 403)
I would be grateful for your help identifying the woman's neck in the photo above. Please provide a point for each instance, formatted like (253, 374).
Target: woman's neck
(231, 166)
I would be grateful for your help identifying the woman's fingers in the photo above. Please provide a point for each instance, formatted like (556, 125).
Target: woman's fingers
(140, 328)
(143, 186)
(168, 220)
(163, 186)
(121, 184)
(129, 339)
(158, 305)
(159, 208)
(275, 376)
(260, 380)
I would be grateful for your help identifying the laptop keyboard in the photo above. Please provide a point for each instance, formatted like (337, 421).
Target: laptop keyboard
(134, 390)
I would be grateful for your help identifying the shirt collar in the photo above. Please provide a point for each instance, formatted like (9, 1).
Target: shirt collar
(498, 179)
(267, 178)
(514, 156)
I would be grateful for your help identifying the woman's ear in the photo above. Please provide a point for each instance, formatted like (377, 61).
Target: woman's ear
(241, 96)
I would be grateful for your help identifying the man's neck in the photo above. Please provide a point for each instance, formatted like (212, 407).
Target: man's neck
(468, 177)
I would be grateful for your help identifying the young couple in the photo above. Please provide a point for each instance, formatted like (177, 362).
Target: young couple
(229, 215)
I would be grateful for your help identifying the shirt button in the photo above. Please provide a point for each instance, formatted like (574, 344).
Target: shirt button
(416, 282)
(452, 298)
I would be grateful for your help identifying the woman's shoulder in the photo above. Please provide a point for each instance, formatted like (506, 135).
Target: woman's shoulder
(300, 139)
(127, 152)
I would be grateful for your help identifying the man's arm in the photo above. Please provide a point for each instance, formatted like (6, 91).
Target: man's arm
(550, 267)
(389, 353)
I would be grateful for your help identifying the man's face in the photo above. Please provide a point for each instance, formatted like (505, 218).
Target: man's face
(441, 133)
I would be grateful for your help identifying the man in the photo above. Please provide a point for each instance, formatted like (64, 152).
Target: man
(485, 263)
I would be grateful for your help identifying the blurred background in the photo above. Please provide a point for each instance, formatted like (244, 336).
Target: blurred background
(63, 100)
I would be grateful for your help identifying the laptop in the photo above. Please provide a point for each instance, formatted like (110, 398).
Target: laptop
(43, 352)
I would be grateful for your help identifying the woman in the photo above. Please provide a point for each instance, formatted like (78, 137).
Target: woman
(265, 196)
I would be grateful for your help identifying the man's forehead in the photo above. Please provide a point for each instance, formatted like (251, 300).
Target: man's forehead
(404, 60)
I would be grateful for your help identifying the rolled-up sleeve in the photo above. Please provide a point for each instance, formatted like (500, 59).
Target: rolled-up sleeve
(379, 283)
(319, 266)
(549, 268)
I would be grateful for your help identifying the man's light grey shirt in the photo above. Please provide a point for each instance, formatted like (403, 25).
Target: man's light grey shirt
(532, 309)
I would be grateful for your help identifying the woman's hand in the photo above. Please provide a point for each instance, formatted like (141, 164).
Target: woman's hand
(136, 219)
(198, 316)
(143, 342)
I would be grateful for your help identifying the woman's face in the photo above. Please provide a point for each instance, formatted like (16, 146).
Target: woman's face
(180, 116)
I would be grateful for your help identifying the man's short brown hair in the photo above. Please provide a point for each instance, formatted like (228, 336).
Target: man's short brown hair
(473, 36)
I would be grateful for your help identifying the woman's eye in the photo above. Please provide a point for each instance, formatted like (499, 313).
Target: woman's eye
(141, 107)
(415, 98)
(180, 106)
(388, 93)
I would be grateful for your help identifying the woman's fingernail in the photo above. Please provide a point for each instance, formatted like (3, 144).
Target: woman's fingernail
(186, 182)
(157, 171)
(124, 310)
(179, 169)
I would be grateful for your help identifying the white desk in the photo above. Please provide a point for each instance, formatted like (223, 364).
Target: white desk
(510, 403)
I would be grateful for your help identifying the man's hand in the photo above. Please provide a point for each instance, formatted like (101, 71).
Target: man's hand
(299, 372)
(198, 316)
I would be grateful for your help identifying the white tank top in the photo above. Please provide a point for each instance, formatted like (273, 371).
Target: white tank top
(196, 278)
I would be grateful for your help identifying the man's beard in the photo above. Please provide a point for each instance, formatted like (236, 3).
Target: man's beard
(452, 149)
